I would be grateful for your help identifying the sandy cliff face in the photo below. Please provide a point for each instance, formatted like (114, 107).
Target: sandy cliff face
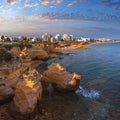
(27, 93)
(61, 78)
(38, 53)
(15, 50)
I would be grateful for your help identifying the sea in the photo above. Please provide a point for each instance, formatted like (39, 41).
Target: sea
(98, 95)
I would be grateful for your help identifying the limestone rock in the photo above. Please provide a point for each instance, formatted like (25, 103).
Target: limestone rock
(27, 93)
(6, 93)
(61, 78)
(15, 50)
(38, 53)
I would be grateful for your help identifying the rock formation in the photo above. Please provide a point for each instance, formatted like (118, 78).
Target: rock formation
(61, 79)
(38, 53)
(15, 50)
(6, 93)
(7, 87)
(24, 53)
(27, 93)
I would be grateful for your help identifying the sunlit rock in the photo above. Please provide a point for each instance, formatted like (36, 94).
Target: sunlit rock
(27, 93)
(61, 79)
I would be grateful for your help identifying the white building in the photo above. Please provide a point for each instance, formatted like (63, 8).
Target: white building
(103, 39)
(58, 37)
(33, 39)
(71, 37)
(46, 37)
(83, 39)
(67, 37)
(1, 40)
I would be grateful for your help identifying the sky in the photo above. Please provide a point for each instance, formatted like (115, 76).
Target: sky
(82, 18)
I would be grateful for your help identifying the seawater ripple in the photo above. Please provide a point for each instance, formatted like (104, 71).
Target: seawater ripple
(88, 93)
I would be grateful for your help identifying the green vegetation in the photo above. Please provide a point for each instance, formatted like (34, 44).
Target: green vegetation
(19, 44)
(4, 55)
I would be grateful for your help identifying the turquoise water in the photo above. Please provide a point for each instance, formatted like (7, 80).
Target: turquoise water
(99, 67)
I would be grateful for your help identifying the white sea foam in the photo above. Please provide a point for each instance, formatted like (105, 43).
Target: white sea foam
(87, 93)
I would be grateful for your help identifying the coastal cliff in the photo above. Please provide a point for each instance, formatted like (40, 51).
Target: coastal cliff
(28, 92)
(22, 87)
(60, 78)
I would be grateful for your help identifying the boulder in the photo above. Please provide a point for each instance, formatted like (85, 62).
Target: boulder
(6, 93)
(60, 78)
(27, 93)
(38, 53)
(15, 50)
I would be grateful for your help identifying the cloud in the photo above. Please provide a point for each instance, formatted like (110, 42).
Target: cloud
(61, 16)
(59, 1)
(77, 1)
(26, 5)
(37, 24)
(52, 7)
(75, 16)
(44, 2)
(71, 4)
(19, 7)
(12, 2)
(1, 6)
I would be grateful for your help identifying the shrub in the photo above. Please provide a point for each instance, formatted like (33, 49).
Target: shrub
(4, 55)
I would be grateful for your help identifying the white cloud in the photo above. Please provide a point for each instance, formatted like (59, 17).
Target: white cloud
(12, 2)
(77, 1)
(44, 2)
(1, 6)
(30, 5)
(71, 4)
(26, 5)
(59, 1)
(19, 7)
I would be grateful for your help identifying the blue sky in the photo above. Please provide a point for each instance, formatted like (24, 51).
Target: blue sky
(82, 18)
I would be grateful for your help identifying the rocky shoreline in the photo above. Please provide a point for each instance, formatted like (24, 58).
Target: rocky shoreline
(31, 89)
(82, 45)
(21, 89)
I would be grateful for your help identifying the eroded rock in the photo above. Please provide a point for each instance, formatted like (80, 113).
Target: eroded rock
(60, 78)
(27, 93)
(15, 50)
(6, 93)
(38, 53)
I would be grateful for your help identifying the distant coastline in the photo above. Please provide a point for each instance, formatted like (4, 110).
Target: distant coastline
(82, 46)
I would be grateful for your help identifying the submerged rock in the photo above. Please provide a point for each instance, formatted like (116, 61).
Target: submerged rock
(60, 78)
(27, 93)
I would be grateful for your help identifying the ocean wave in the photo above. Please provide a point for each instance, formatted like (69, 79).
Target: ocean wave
(87, 93)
